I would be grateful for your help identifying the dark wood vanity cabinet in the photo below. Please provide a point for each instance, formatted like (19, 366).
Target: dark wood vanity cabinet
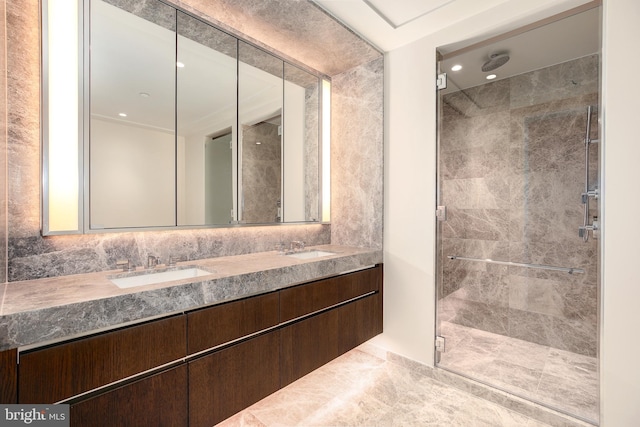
(213, 326)
(157, 400)
(308, 344)
(229, 380)
(9, 376)
(200, 367)
(314, 296)
(64, 370)
(314, 341)
(359, 321)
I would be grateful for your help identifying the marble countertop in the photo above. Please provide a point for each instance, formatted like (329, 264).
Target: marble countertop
(46, 310)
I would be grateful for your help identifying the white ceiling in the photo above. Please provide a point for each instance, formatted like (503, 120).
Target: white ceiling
(534, 42)
(560, 41)
(389, 24)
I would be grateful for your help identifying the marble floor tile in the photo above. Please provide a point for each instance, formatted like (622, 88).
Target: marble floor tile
(560, 379)
(363, 388)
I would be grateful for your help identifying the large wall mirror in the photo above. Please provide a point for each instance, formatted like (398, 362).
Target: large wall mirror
(188, 126)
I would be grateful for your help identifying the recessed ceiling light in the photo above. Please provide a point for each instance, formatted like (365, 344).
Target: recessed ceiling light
(491, 76)
(122, 114)
(456, 67)
(258, 143)
(179, 64)
(144, 94)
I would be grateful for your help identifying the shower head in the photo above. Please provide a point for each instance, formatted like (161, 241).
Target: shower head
(495, 60)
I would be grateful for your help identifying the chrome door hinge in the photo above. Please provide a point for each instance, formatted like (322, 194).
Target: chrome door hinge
(441, 81)
(441, 213)
(440, 347)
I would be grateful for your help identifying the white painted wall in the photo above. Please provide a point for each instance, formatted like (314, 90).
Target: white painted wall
(409, 188)
(620, 344)
(409, 231)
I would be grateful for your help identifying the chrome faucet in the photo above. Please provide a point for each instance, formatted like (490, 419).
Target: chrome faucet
(125, 264)
(296, 246)
(152, 261)
(173, 260)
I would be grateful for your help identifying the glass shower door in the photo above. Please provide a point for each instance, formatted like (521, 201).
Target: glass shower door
(518, 286)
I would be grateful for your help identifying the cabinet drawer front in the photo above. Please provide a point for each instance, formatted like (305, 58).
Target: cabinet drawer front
(308, 298)
(159, 400)
(219, 324)
(9, 376)
(64, 370)
(359, 321)
(227, 381)
(308, 344)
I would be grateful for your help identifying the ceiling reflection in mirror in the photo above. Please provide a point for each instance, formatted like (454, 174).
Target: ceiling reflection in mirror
(191, 127)
(206, 111)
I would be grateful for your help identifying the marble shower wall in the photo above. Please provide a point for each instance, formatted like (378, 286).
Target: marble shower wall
(297, 29)
(512, 173)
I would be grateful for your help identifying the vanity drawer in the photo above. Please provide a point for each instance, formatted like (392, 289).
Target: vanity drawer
(227, 381)
(158, 400)
(222, 323)
(9, 376)
(64, 370)
(311, 297)
(308, 344)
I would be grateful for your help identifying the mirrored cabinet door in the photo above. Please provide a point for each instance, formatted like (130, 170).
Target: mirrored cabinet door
(260, 99)
(132, 115)
(300, 146)
(206, 123)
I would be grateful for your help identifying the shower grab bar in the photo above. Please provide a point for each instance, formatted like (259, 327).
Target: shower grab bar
(583, 231)
(569, 270)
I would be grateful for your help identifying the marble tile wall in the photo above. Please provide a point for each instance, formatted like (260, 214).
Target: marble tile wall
(357, 156)
(512, 172)
(311, 154)
(296, 29)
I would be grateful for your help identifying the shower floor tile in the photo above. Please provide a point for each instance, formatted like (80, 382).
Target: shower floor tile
(559, 379)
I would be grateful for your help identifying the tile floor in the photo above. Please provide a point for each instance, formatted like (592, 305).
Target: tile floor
(560, 379)
(365, 388)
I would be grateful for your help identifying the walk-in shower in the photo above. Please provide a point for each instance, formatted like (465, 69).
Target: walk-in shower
(518, 155)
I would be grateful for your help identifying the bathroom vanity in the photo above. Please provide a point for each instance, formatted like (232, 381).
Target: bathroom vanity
(257, 323)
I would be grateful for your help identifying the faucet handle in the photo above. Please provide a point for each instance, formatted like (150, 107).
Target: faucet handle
(152, 261)
(297, 245)
(125, 264)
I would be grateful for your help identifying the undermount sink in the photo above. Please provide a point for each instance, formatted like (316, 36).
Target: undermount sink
(310, 254)
(150, 278)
